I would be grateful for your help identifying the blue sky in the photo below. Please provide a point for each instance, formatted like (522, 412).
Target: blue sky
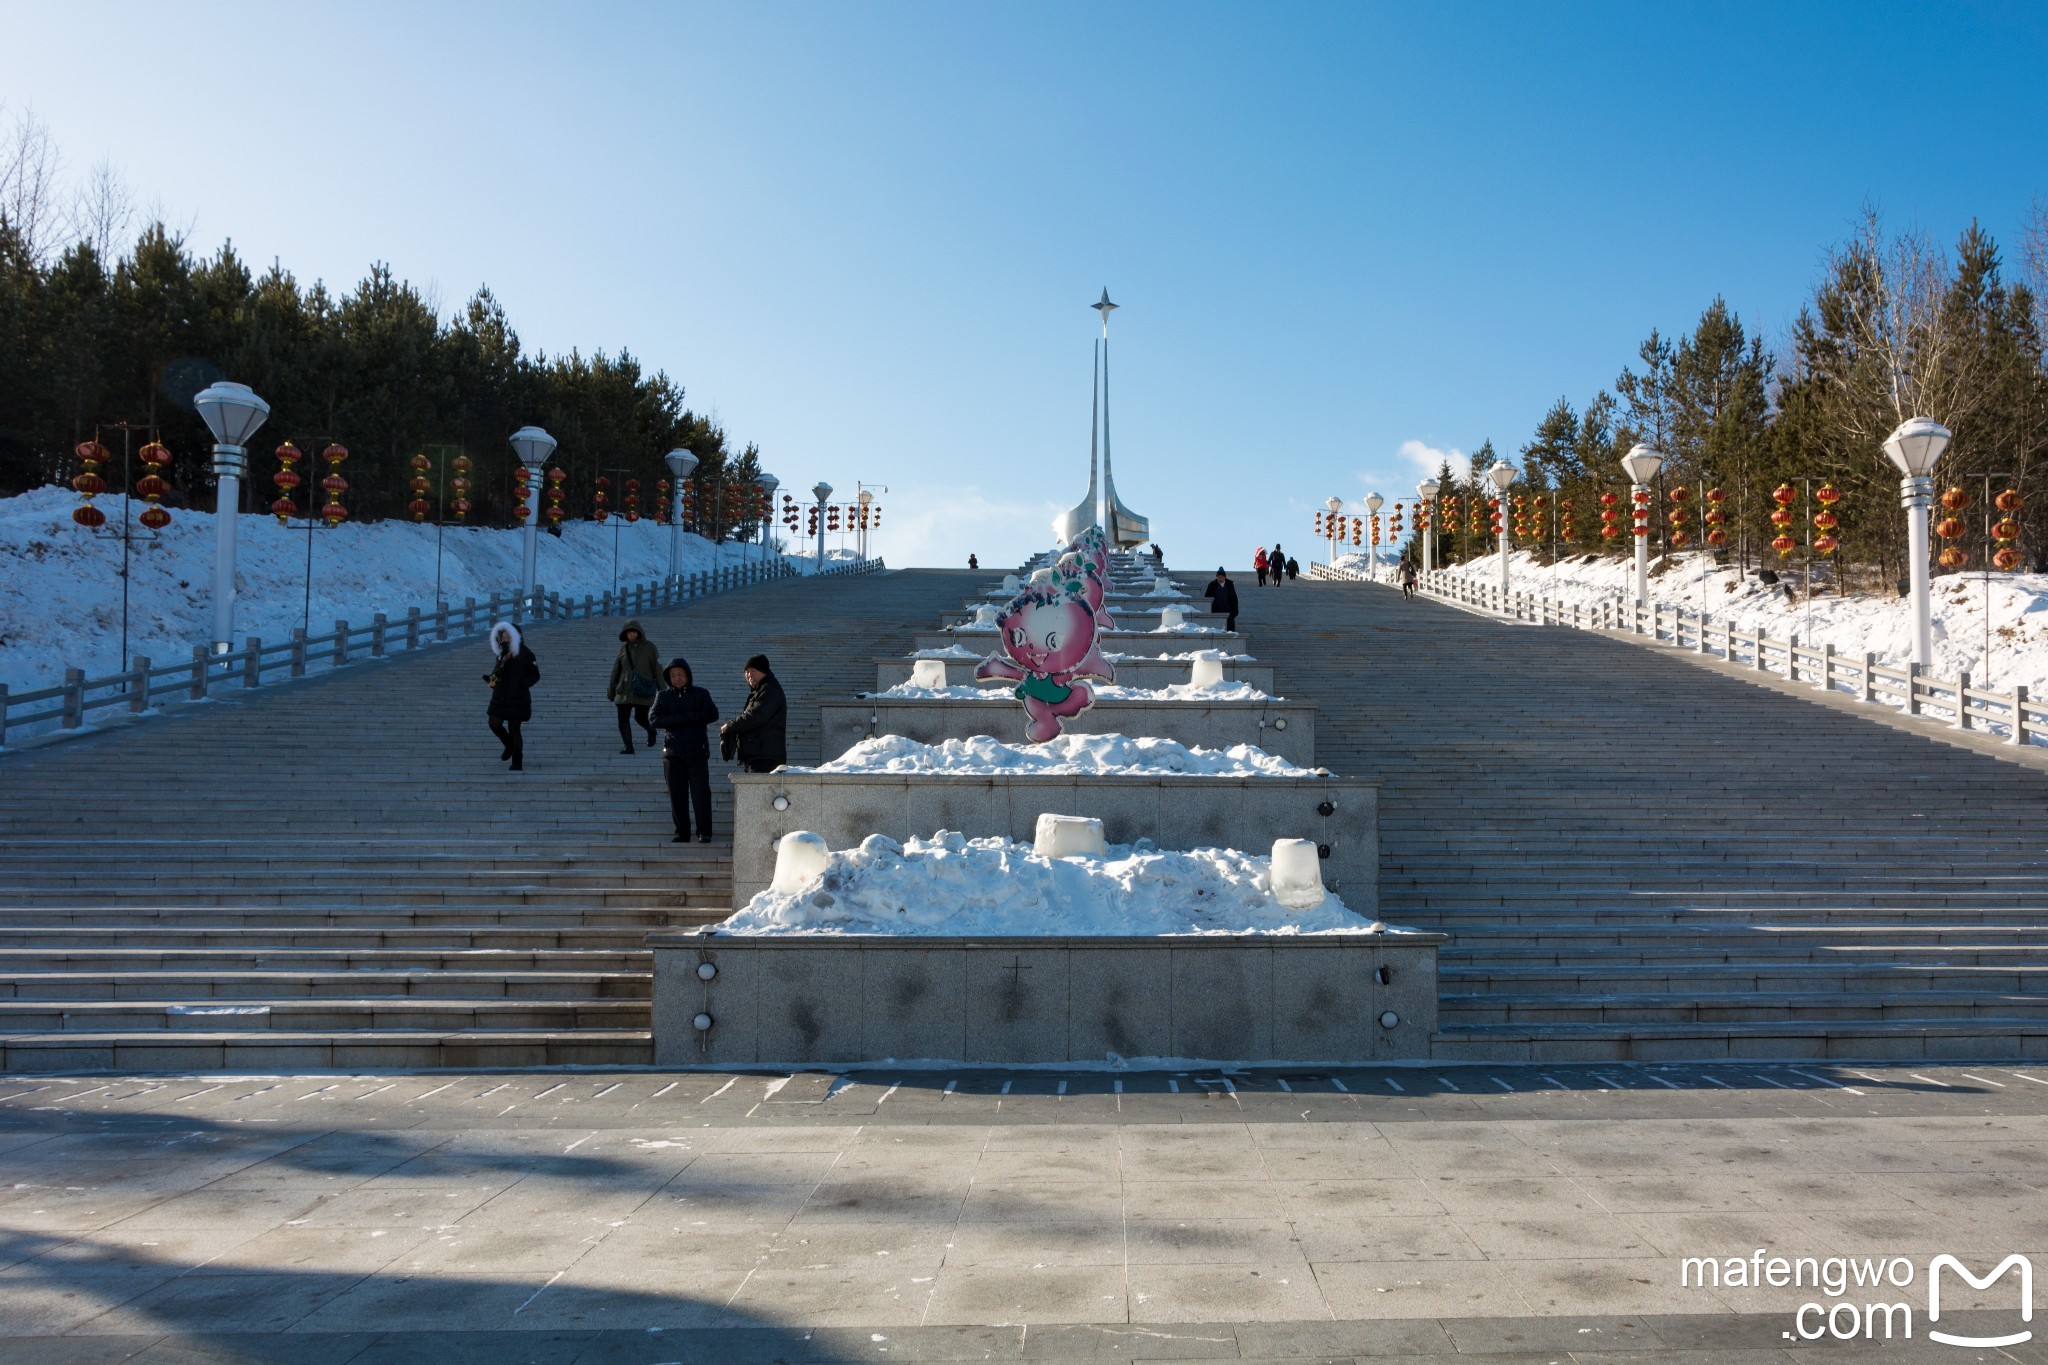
(867, 235)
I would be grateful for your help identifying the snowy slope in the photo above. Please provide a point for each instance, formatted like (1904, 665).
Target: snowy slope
(1853, 624)
(60, 585)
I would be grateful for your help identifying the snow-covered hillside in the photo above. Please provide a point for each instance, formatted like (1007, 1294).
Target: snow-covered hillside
(60, 585)
(1853, 624)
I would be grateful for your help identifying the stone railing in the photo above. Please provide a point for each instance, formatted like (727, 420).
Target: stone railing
(2011, 715)
(146, 685)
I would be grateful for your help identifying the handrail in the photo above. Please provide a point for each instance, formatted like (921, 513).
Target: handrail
(147, 685)
(2021, 719)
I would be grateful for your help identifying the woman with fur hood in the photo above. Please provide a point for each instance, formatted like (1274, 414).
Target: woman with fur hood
(636, 679)
(514, 671)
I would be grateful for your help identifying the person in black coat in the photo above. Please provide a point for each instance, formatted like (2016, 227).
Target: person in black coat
(1222, 595)
(1293, 568)
(514, 672)
(681, 712)
(756, 736)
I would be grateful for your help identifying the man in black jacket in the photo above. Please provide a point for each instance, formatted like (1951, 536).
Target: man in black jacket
(680, 712)
(1222, 595)
(756, 735)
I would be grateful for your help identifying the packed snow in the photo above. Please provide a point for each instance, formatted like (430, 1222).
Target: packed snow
(949, 652)
(969, 628)
(1225, 691)
(1096, 755)
(951, 885)
(1186, 656)
(60, 585)
(1853, 624)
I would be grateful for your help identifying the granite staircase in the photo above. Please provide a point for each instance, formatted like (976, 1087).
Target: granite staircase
(1639, 858)
(340, 872)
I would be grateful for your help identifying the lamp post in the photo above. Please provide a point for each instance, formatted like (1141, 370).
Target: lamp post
(1335, 505)
(681, 464)
(1427, 490)
(1502, 477)
(822, 491)
(865, 499)
(232, 412)
(1641, 465)
(533, 446)
(769, 483)
(1373, 503)
(1914, 446)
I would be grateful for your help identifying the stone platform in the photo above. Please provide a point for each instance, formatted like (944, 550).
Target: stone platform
(1112, 641)
(792, 999)
(1339, 813)
(1142, 671)
(1285, 729)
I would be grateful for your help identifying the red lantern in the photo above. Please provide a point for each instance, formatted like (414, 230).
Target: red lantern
(334, 513)
(1955, 499)
(2008, 501)
(2007, 559)
(1953, 557)
(599, 512)
(90, 517)
(632, 500)
(152, 485)
(460, 483)
(90, 485)
(554, 511)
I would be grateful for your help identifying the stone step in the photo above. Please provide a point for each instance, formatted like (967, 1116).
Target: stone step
(43, 918)
(599, 957)
(306, 1050)
(346, 982)
(567, 903)
(1460, 1010)
(322, 1014)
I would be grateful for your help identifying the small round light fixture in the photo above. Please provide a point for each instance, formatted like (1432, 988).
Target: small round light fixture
(1387, 1019)
(707, 971)
(703, 1022)
(780, 802)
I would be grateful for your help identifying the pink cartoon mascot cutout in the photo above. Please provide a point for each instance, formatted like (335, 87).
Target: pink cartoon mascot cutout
(1048, 646)
(1076, 575)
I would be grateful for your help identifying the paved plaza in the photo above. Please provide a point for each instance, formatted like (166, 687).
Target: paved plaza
(1504, 1214)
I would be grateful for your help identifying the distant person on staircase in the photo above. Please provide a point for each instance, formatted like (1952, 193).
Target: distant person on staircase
(973, 563)
(635, 681)
(681, 713)
(1408, 578)
(1293, 567)
(1222, 595)
(1276, 565)
(514, 671)
(1259, 565)
(756, 736)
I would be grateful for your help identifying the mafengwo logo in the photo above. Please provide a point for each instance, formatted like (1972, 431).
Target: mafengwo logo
(1852, 1286)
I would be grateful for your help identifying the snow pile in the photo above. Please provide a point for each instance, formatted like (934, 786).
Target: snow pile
(60, 585)
(1097, 755)
(1187, 656)
(1188, 628)
(951, 884)
(949, 652)
(1853, 624)
(1227, 691)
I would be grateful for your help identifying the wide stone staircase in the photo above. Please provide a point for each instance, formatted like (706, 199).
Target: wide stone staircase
(340, 872)
(1637, 857)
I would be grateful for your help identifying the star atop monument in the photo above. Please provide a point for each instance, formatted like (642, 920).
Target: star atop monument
(1103, 307)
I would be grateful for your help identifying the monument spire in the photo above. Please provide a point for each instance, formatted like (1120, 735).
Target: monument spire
(1126, 528)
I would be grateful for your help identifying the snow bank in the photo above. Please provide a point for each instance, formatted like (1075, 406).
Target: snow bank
(1187, 656)
(60, 585)
(951, 884)
(1100, 755)
(1226, 691)
(949, 652)
(1853, 624)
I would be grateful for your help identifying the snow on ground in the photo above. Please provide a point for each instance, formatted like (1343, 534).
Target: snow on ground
(955, 885)
(60, 585)
(1225, 691)
(1189, 629)
(1098, 755)
(1853, 624)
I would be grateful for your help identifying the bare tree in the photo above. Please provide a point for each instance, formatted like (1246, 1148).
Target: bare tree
(29, 168)
(102, 212)
(2034, 258)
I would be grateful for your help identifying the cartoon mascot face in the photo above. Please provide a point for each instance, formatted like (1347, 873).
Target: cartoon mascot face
(1048, 645)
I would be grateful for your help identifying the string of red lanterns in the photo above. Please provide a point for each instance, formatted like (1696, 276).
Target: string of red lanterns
(420, 508)
(554, 510)
(286, 478)
(90, 485)
(1825, 521)
(598, 510)
(460, 483)
(156, 457)
(2007, 529)
(1951, 526)
(334, 513)
(1716, 518)
(1679, 516)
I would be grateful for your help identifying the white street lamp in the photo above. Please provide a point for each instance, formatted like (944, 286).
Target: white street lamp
(1914, 446)
(1373, 503)
(769, 483)
(1502, 477)
(821, 491)
(1335, 505)
(681, 464)
(1427, 491)
(865, 498)
(232, 412)
(533, 446)
(1641, 465)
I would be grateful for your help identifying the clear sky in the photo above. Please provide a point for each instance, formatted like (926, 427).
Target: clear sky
(866, 235)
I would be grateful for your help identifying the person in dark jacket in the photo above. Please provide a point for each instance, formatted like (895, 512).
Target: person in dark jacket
(634, 682)
(756, 736)
(1222, 595)
(681, 712)
(513, 673)
(1276, 562)
(1293, 568)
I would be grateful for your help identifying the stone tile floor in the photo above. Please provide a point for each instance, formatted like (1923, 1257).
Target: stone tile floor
(1493, 1213)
